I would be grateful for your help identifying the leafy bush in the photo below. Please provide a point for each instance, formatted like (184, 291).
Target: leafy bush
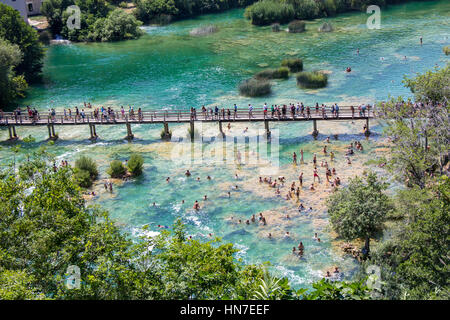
(116, 169)
(119, 25)
(83, 178)
(312, 79)
(294, 64)
(135, 164)
(280, 73)
(296, 26)
(15, 31)
(266, 12)
(12, 86)
(87, 164)
(254, 87)
(123, 4)
(147, 10)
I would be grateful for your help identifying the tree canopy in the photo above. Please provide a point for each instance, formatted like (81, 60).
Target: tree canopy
(359, 210)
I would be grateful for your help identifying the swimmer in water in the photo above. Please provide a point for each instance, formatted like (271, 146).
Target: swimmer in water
(187, 174)
(269, 236)
(205, 197)
(196, 205)
(168, 179)
(208, 177)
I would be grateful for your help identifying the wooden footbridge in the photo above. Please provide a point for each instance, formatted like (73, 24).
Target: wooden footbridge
(11, 120)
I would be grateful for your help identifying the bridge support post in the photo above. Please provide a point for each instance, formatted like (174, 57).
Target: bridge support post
(12, 133)
(315, 132)
(130, 135)
(51, 132)
(266, 126)
(166, 135)
(93, 132)
(192, 132)
(220, 129)
(367, 130)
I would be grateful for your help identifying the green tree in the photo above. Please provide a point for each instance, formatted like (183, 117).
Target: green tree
(415, 262)
(14, 29)
(11, 85)
(119, 25)
(359, 210)
(419, 131)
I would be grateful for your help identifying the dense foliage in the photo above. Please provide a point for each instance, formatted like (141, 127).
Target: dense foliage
(98, 22)
(14, 29)
(21, 55)
(414, 259)
(118, 25)
(85, 171)
(265, 12)
(312, 79)
(157, 11)
(419, 132)
(12, 86)
(414, 262)
(254, 88)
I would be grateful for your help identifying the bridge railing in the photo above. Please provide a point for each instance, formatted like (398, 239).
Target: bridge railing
(149, 116)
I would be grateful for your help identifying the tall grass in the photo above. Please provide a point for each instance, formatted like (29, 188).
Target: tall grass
(280, 73)
(266, 12)
(85, 171)
(294, 64)
(312, 80)
(135, 164)
(255, 88)
(116, 169)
